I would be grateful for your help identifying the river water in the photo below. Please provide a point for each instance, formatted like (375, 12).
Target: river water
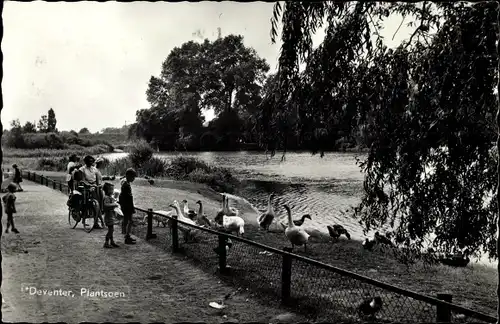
(324, 187)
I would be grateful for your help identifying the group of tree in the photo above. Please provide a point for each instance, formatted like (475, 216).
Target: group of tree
(425, 109)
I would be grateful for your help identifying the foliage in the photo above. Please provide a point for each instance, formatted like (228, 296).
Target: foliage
(84, 130)
(72, 149)
(425, 109)
(140, 153)
(224, 75)
(51, 121)
(52, 164)
(43, 124)
(29, 127)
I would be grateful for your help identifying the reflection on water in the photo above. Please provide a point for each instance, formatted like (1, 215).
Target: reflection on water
(324, 187)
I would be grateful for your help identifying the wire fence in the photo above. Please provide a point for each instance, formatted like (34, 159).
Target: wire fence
(321, 291)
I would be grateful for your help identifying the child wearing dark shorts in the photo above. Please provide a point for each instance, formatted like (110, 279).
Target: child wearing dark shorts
(109, 206)
(126, 201)
(9, 201)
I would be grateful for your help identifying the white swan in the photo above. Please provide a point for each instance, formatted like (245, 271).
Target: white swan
(188, 212)
(295, 234)
(231, 223)
(180, 216)
(265, 220)
(201, 218)
(230, 211)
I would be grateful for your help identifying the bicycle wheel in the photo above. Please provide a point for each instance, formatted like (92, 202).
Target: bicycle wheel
(71, 218)
(91, 216)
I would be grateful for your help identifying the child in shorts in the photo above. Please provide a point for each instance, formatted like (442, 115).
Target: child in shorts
(109, 205)
(9, 201)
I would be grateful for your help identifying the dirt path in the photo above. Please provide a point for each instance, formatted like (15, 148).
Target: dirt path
(157, 287)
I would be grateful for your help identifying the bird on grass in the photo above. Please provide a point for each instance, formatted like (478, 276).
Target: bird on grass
(222, 304)
(151, 181)
(370, 306)
(369, 244)
(336, 231)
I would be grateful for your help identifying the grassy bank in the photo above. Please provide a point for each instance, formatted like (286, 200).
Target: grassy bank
(473, 287)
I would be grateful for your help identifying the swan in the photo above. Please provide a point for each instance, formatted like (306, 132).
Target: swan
(231, 223)
(188, 212)
(230, 211)
(299, 222)
(220, 213)
(267, 218)
(295, 234)
(201, 218)
(185, 230)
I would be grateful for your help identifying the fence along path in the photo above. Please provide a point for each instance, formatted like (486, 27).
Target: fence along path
(307, 285)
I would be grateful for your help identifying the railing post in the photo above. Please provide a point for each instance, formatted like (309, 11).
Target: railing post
(222, 254)
(54, 185)
(443, 313)
(28, 175)
(286, 276)
(60, 186)
(150, 233)
(41, 180)
(175, 235)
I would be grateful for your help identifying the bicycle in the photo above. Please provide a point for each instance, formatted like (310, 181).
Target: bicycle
(82, 207)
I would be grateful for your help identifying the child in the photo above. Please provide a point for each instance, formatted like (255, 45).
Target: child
(17, 177)
(9, 201)
(109, 205)
(118, 210)
(127, 204)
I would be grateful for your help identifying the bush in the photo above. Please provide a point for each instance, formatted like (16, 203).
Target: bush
(154, 167)
(140, 153)
(52, 164)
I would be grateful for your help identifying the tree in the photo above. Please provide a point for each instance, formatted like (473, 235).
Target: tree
(223, 75)
(43, 124)
(426, 104)
(84, 130)
(29, 127)
(14, 138)
(51, 121)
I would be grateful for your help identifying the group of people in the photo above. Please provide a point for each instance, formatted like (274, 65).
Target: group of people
(89, 175)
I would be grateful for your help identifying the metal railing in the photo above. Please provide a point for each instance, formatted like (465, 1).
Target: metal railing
(322, 291)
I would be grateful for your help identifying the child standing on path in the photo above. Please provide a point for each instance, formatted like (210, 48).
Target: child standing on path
(127, 204)
(109, 205)
(9, 201)
(17, 177)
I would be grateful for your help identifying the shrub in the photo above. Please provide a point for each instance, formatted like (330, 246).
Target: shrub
(140, 153)
(154, 167)
(52, 164)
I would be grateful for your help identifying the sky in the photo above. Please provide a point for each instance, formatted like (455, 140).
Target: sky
(91, 61)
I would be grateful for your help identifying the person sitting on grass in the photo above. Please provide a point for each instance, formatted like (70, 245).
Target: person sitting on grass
(17, 177)
(109, 205)
(9, 201)
(91, 178)
(127, 204)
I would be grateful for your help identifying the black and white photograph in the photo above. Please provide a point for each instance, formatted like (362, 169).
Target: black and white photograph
(237, 162)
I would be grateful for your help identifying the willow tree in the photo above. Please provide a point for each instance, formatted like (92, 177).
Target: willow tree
(427, 105)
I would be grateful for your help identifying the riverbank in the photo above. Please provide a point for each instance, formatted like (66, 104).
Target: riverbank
(473, 287)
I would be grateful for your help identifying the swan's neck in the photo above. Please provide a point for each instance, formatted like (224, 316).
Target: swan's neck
(269, 206)
(303, 218)
(290, 221)
(186, 208)
(200, 210)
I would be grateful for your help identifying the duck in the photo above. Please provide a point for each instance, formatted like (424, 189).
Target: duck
(229, 245)
(336, 231)
(151, 181)
(370, 306)
(231, 223)
(188, 212)
(230, 211)
(201, 218)
(265, 220)
(368, 244)
(295, 234)
(381, 239)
